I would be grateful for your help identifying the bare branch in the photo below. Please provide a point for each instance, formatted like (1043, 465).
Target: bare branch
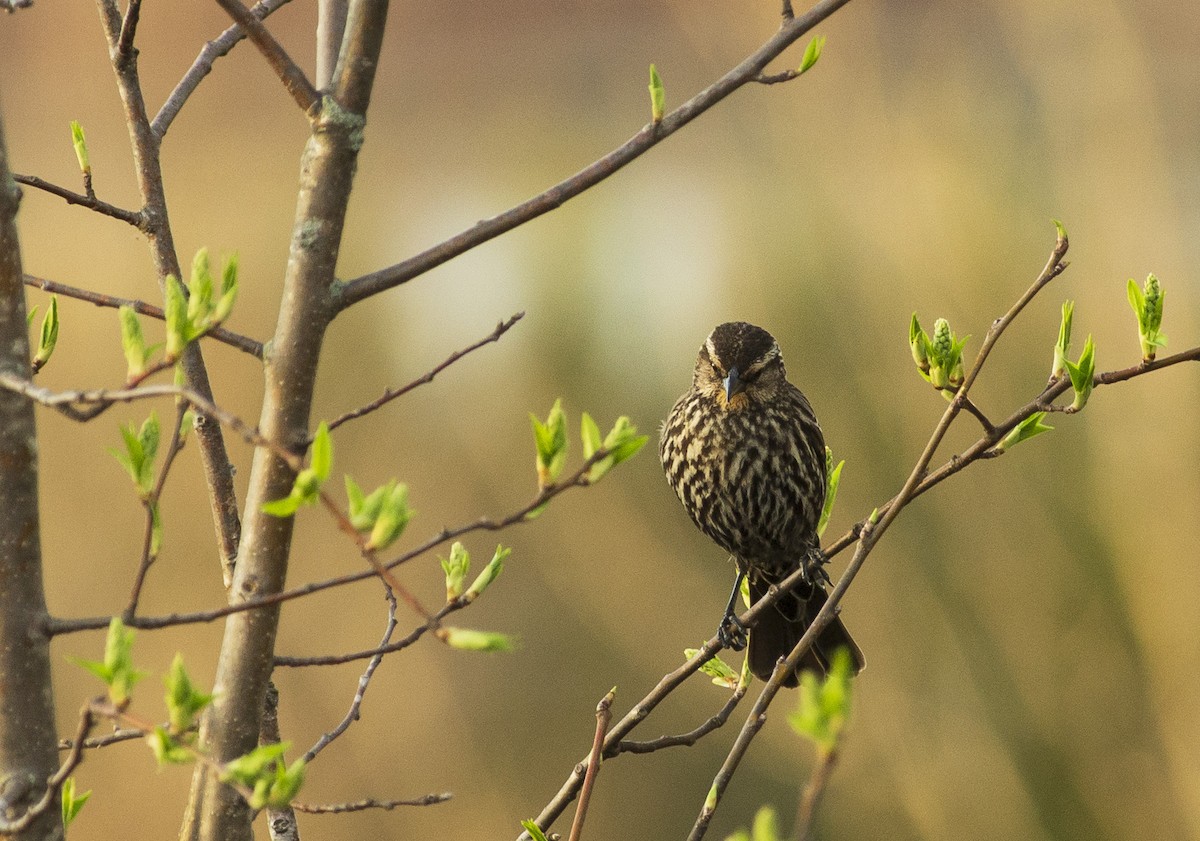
(289, 73)
(203, 65)
(692, 736)
(371, 284)
(131, 217)
(371, 803)
(363, 682)
(603, 717)
(391, 394)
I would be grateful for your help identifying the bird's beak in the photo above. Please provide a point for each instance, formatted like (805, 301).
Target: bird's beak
(733, 384)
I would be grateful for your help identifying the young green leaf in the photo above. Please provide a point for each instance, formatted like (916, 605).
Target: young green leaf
(1060, 232)
(658, 96)
(1031, 427)
(811, 53)
(621, 443)
(48, 337)
(79, 141)
(133, 343)
(71, 802)
(166, 749)
(1083, 375)
(945, 358)
(394, 515)
(256, 764)
(116, 670)
(467, 639)
(490, 573)
(183, 699)
(1147, 305)
(716, 668)
(589, 432)
(285, 786)
(833, 476)
(550, 439)
(141, 449)
(825, 704)
(456, 568)
(1063, 346)
(175, 316)
(918, 341)
(229, 290)
(322, 452)
(200, 293)
(286, 506)
(535, 831)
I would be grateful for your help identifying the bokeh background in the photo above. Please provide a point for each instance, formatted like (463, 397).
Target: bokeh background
(1031, 627)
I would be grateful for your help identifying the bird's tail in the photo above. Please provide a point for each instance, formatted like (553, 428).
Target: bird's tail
(780, 628)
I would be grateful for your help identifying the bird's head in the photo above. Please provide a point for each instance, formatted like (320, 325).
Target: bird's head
(739, 364)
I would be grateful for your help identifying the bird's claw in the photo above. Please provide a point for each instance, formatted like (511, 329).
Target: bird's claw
(731, 633)
(814, 567)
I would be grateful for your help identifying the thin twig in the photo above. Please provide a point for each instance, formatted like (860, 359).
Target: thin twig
(689, 738)
(371, 803)
(371, 284)
(131, 217)
(201, 67)
(149, 553)
(811, 798)
(220, 334)
(603, 717)
(289, 73)
(363, 682)
(391, 394)
(397, 645)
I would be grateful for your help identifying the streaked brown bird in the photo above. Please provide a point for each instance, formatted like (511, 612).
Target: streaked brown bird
(743, 451)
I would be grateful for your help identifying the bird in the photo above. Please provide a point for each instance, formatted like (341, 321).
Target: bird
(744, 453)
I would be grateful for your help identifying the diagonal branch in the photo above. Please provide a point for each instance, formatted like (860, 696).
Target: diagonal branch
(131, 217)
(391, 394)
(289, 73)
(372, 284)
(200, 68)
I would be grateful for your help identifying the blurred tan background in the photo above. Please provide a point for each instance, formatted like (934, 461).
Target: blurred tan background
(1031, 627)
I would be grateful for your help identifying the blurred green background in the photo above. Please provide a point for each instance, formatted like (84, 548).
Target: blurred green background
(1031, 627)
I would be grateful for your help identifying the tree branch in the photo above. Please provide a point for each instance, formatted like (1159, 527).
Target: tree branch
(131, 217)
(201, 67)
(391, 394)
(293, 78)
(220, 334)
(372, 284)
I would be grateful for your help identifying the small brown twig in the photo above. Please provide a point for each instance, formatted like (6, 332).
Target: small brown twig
(364, 681)
(603, 717)
(818, 781)
(391, 394)
(293, 78)
(371, 803)
(150, 503)
(214, 49)
(220, 334)
(88, 200)
(685, 739)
